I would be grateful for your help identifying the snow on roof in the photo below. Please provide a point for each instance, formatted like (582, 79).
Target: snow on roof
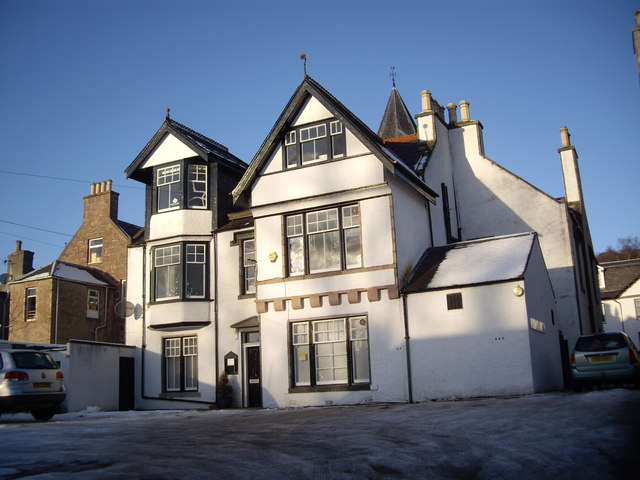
(474, 262)
(65, 271)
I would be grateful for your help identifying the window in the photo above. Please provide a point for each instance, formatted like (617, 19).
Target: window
(454, 301)
(197, 197)
(324, 240)
(95, 250)
(181, 364)
(249, 266)
(93, 303)
(170, 185)
(169, 188)
(30, 304)
(180, 271)
(314, 143)
(330, 352)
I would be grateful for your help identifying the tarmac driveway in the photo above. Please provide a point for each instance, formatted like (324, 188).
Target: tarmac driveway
(559, 436)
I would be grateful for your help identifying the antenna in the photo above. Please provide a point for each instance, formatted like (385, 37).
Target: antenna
(393, 76)
(303, 57)
(124, 309)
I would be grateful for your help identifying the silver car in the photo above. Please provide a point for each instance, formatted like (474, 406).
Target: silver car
(605, 358)
(30, 381)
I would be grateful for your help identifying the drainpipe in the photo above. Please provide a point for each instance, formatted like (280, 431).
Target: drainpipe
(55, 324)
(407, 342)
(106, 306)
(215, 308)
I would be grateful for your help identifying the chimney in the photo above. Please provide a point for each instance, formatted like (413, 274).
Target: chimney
(101, 202)
(20, 262)
(453, 116)
(464, 111)
(570, 170)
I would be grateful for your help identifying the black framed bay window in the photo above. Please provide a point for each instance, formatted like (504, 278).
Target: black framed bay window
(314, 143)
(180, 271)
(183, 185)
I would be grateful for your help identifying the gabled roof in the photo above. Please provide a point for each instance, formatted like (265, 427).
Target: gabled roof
(205, 147)
(476, 262)
(619, 276)
(69, 272)
(129, 229)
(396, 120)
(310, 88)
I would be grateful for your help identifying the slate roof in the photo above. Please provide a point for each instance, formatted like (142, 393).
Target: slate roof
(309, 87)
(619, 276)
(208, 149)
(128, 228)
(396, 120)
(475, 262)
(70, 272)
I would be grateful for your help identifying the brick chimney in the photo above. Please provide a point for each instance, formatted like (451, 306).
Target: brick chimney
(101, 202)
(19, 262)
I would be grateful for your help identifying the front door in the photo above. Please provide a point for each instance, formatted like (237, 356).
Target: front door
(254, 387)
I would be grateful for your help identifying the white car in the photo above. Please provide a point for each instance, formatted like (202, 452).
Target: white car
(30, 381)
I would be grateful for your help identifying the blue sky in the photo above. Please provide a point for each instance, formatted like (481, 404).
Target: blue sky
(85, 84)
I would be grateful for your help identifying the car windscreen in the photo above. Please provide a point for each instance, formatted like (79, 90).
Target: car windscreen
(599, 343)
(33, 360)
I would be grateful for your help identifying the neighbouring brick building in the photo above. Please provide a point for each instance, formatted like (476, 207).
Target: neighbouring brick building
(74, 296)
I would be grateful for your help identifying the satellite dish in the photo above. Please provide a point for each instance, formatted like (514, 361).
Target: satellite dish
(4, 277)
(124, 309)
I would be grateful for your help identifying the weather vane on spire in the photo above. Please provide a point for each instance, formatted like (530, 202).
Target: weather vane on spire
(303, 57)
(168, 116)
(393, 76)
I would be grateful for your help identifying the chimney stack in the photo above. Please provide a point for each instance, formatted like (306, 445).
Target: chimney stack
(20, 262)
(101, 202)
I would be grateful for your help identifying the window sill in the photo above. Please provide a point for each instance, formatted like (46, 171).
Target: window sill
(179, 394)
(330, 388)
(174, 300)
(246, 295)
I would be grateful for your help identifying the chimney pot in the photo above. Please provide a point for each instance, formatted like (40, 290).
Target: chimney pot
(103, 187)
(109, 183)
(464, 111)
(93, 188)
(18, 245)
(565, 137)
(426, 100)
(453, 117)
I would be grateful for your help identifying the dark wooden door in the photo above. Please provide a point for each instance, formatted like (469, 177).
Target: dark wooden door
(254, 386)
(126, 387)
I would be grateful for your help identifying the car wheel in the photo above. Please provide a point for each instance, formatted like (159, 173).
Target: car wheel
(44, 414)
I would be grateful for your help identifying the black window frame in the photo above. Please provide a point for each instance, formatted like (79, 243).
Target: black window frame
(306, 235)
(314, 386)
(335, 143)
(183, 389)
(183, 263)
(186, 196)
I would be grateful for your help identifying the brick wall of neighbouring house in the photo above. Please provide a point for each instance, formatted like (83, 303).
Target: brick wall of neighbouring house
(99, 221)
(38, 330)
(73, 322)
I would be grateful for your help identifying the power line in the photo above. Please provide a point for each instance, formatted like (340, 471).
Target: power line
(36, 228)
(64, 179)
(22, 237)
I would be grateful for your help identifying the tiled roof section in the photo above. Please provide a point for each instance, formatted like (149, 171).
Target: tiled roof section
(396, 120)
(619, 276)
(194, 134)
(476, 262)
(410, 152)
(128, 228)
(404, 138)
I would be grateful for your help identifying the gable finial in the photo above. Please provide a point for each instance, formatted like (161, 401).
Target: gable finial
(303, 57)
(393, 76)
(168, 116)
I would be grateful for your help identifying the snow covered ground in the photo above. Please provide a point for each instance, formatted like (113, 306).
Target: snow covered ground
(557, 435)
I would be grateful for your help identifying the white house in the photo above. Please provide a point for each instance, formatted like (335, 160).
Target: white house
(620, 290)
(320, 288)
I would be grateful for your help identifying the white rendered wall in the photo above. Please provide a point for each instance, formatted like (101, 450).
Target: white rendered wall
(170, 149)
(386, 351)
(620, 315)
(180, 222)
(481, 349)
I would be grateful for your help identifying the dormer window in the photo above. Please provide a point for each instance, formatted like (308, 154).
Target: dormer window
(174, 191)
(314, 143)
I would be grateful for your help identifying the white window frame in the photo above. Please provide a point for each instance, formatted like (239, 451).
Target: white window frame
(31, 295)
(249, 266)
(167, 178)
(95, 248)
(196, 254)
(181, 364)
(167, 257)
(313, 135)
(197, 185)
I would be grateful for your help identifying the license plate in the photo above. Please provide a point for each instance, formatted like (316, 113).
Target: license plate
(605, 358)
(41, 385)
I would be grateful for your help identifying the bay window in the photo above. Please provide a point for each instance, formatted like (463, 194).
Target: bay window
(330, 352)
(324, 240)
(171, 183)
(180, 271)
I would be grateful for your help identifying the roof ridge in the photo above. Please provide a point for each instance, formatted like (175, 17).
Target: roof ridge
(193, 132)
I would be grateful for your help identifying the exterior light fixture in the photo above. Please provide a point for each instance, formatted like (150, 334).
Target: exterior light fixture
(518, 291)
